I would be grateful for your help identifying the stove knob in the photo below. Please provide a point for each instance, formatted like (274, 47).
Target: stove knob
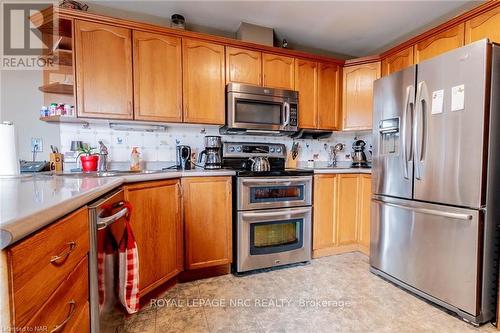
(272, 150)
(238, 149)
(278, 150)
(231, 149)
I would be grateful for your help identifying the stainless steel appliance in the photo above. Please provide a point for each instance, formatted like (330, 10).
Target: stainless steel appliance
(260, 110)
(260, 164)
(435, 211)
(100, 219)
(272, 209)
(358, 154)
(212, 153)
(183, 157)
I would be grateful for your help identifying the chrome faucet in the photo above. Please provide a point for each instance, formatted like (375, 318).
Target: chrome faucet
(332, 160)
(103, 157)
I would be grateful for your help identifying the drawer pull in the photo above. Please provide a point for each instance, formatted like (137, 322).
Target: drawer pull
(60, 258)
(72, 306)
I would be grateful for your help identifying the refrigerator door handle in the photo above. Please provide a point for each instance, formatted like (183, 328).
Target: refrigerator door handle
(418, 131)
(456, 216)
(408, 148)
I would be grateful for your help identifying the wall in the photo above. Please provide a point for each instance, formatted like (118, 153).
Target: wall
(160, 146)
(20, 103)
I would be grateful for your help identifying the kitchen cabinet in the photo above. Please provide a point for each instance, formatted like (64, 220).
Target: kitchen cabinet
(324, 212)
(397, 61)
(278, 71)
(157, 225)
(208, 221)
(203, 82)
(306, 83)
(42, 281)
(243, 66)
(357, 101)
(157, 77)
(329, 90)
(365, 193)
(347, 201)
(441, 42)
(103, 56)
(486, 25)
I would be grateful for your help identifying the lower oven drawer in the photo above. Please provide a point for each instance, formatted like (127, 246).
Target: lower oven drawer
(274, 237)
(274, 192)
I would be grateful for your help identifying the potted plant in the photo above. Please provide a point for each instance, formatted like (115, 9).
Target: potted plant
(88, 157)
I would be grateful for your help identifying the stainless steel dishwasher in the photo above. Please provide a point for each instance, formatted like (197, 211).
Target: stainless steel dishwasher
(100, 219)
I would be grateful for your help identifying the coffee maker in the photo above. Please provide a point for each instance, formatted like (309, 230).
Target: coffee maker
(183, 157)
(358, 154)
(210, 158)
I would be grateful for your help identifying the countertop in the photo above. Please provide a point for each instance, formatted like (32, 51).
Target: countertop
(28, 203)
(321, 167)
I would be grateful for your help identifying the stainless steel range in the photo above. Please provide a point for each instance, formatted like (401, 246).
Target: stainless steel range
(272, 209)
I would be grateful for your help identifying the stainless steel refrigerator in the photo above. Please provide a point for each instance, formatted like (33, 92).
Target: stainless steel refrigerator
(436, 179)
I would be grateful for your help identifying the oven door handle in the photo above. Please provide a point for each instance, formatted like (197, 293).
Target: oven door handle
(281, 213)
(281, 181)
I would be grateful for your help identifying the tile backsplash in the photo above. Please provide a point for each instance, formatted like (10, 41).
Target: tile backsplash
(160, 146)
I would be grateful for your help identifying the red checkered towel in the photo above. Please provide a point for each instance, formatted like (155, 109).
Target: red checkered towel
(128, 266)
(106, 258)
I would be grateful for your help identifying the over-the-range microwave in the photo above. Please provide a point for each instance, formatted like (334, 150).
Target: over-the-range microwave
(259, 110)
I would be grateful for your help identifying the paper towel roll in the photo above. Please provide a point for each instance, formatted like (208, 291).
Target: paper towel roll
(9, 164)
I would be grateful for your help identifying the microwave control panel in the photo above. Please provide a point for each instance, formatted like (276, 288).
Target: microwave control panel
(293, 114)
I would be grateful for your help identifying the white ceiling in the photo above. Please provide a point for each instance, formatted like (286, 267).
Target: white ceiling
(355, 28)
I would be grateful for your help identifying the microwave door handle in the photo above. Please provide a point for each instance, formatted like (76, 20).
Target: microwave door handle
(286, 114)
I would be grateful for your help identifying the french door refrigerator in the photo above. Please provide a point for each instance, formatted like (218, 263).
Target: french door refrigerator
(436, 179)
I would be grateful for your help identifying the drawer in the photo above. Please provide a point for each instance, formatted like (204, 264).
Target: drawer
(67, 308)
(39, 264)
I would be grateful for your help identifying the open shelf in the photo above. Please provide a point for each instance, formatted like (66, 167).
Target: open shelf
(62, 57)
(63, 119)
(57, 88)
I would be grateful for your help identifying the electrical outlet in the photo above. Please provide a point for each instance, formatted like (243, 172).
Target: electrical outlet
(36, 145)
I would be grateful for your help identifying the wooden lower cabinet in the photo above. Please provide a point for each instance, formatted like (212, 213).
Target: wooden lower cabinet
(341, 219)
(157, 225)
(208, 221)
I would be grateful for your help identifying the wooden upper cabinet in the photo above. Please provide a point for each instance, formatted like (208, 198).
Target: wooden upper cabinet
(103, 71)
(365, 192)
(486, 25)
(207, 221)
(306, 83)
(357, 101)
(397, 61)
(325, 192)
(444, 41)
(329, 76)
(157, 77)
(347, 205)
(203, 82)
(278, 71)
(243, 66)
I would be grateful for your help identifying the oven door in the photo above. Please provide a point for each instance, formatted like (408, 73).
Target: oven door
(274, 192)
(249, 111)
(268, 238)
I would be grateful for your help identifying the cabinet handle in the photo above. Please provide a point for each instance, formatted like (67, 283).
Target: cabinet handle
(56, 260)
(72, 306)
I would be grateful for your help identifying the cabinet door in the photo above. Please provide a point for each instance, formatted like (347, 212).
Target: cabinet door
(103, 71)
(439, 43)
(208, 221)
(486, 25)
(347, 202)
(203, 82)
(324, 233)
(397, 61)
(306, 83)
(357, 101)
(278, 71)
(328, 96)
(365, 192)
(243, 66)
(157, 226)
(157, 77)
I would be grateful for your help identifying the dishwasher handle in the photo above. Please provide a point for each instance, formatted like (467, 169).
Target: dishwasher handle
(104, 222)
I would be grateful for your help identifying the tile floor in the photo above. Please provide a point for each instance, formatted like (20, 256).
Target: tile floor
(331, 294)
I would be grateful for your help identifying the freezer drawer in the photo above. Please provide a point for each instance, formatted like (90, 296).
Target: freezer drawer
(432, 248)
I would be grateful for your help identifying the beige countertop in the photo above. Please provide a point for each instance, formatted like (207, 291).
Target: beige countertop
(321, 167)
(28, 203)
